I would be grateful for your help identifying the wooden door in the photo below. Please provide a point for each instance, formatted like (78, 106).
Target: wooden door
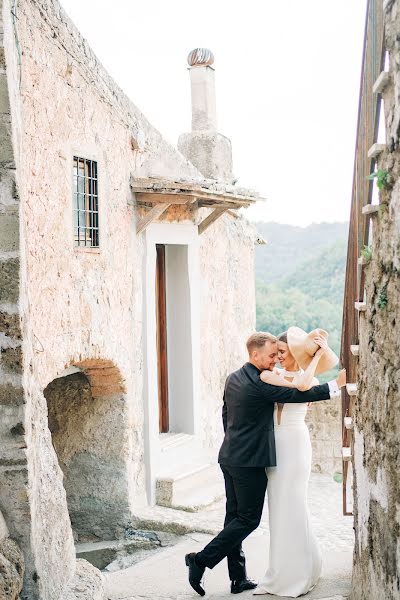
(162, 361)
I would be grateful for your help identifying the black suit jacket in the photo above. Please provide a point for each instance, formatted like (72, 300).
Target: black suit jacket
(247, 415)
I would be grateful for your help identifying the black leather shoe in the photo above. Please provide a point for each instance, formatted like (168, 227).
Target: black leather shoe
(241, 586)
(195, 573)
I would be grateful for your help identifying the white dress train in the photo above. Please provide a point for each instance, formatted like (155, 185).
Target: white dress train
(294, 556)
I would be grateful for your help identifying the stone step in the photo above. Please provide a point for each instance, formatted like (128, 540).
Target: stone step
(191, 488)
(381, 82)
(370, 209)
(352, 389)
(100, 554)
(355, 349)
(376, 150)
(360, 306)
(348, 423)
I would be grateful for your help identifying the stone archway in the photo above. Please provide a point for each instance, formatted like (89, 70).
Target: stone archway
(88, 422)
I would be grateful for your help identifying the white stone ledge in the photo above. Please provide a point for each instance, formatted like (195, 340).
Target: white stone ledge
(370, 209)
(346, 454)
(348, 423)
(381, 82)
(376, 150)
(360, 306)
(352, 389)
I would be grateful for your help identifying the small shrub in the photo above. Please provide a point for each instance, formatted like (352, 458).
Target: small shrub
(382, 177)
(383, 299)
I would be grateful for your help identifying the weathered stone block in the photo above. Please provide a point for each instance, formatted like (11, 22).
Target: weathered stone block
(10, 325)
(4, 98)
(11, 570)
(9, 232)
(10, 394)
(87, 584)
(6, 148)
(11, 359)
(9, 280)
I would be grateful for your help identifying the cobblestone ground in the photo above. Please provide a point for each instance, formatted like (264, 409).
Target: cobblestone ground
(163, 575)
(334, 531)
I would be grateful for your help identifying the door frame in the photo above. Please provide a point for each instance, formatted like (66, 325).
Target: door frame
(174, 234)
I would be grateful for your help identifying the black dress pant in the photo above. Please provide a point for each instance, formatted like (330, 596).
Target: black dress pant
(245, 492)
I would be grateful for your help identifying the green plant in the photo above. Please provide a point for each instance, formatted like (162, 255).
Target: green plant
(383, 299)
(366, 253)
(382, 178)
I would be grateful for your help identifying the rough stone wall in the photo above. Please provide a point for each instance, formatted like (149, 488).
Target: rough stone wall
(14, 516)
(76, 304)
(376, 449)
(85, 431)
(323, 420)
(228, 315)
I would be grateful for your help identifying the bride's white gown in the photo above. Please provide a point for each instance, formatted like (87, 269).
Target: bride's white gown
(294, 556)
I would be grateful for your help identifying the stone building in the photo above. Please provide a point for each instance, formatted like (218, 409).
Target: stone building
(371, 337)
(126, 293)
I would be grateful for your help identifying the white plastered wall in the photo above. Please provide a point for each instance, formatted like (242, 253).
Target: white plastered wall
(171, 234)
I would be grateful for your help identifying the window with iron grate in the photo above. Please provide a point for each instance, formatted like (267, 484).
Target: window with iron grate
(86, 203)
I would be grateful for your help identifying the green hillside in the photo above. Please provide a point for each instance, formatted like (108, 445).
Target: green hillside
(288, 246)
(300, 278)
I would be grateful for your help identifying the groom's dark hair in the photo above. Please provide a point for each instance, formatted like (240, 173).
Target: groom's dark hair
(258, 339)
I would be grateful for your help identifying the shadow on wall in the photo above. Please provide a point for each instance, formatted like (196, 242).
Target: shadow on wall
(88, 422)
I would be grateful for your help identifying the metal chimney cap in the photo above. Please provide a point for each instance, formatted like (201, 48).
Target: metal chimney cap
(200, 57)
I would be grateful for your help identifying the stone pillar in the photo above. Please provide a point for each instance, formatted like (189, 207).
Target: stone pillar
(204, 106)
(14, 500)
(207, 149)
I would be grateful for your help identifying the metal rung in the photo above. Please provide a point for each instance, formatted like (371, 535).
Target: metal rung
(381, 82)
(348, 422)
(360, 306)
(375, 150)
(370, 209)
(354, 349)
(352, 389)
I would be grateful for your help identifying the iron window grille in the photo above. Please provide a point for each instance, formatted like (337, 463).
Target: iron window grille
(86, 203)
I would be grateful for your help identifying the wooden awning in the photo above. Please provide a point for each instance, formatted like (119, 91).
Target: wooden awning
(159, 194)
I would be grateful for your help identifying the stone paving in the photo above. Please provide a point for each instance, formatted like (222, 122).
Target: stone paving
(162, 575)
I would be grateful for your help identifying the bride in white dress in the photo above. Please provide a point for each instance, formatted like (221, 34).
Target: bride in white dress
(294, 556)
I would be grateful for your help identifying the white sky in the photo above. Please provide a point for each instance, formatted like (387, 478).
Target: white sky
(287, 76)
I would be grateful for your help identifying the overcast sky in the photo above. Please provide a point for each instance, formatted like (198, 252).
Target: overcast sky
(287, 77)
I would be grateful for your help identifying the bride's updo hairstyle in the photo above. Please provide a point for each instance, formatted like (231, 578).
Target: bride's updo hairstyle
(283, 337)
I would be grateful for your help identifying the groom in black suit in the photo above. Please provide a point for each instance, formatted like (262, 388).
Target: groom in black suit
(248, 448)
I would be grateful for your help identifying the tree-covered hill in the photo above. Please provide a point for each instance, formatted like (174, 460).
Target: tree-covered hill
(288, 246)
(300, 278)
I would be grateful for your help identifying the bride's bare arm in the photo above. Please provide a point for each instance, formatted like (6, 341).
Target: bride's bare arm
(302, 382)
(274, 379)
(305, 381)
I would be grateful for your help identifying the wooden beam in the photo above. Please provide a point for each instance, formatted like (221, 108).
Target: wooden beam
(213, 204)
(212, 217)
(151, 216)
(156, 198)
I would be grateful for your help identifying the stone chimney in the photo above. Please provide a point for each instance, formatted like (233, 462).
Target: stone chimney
(207, 149)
